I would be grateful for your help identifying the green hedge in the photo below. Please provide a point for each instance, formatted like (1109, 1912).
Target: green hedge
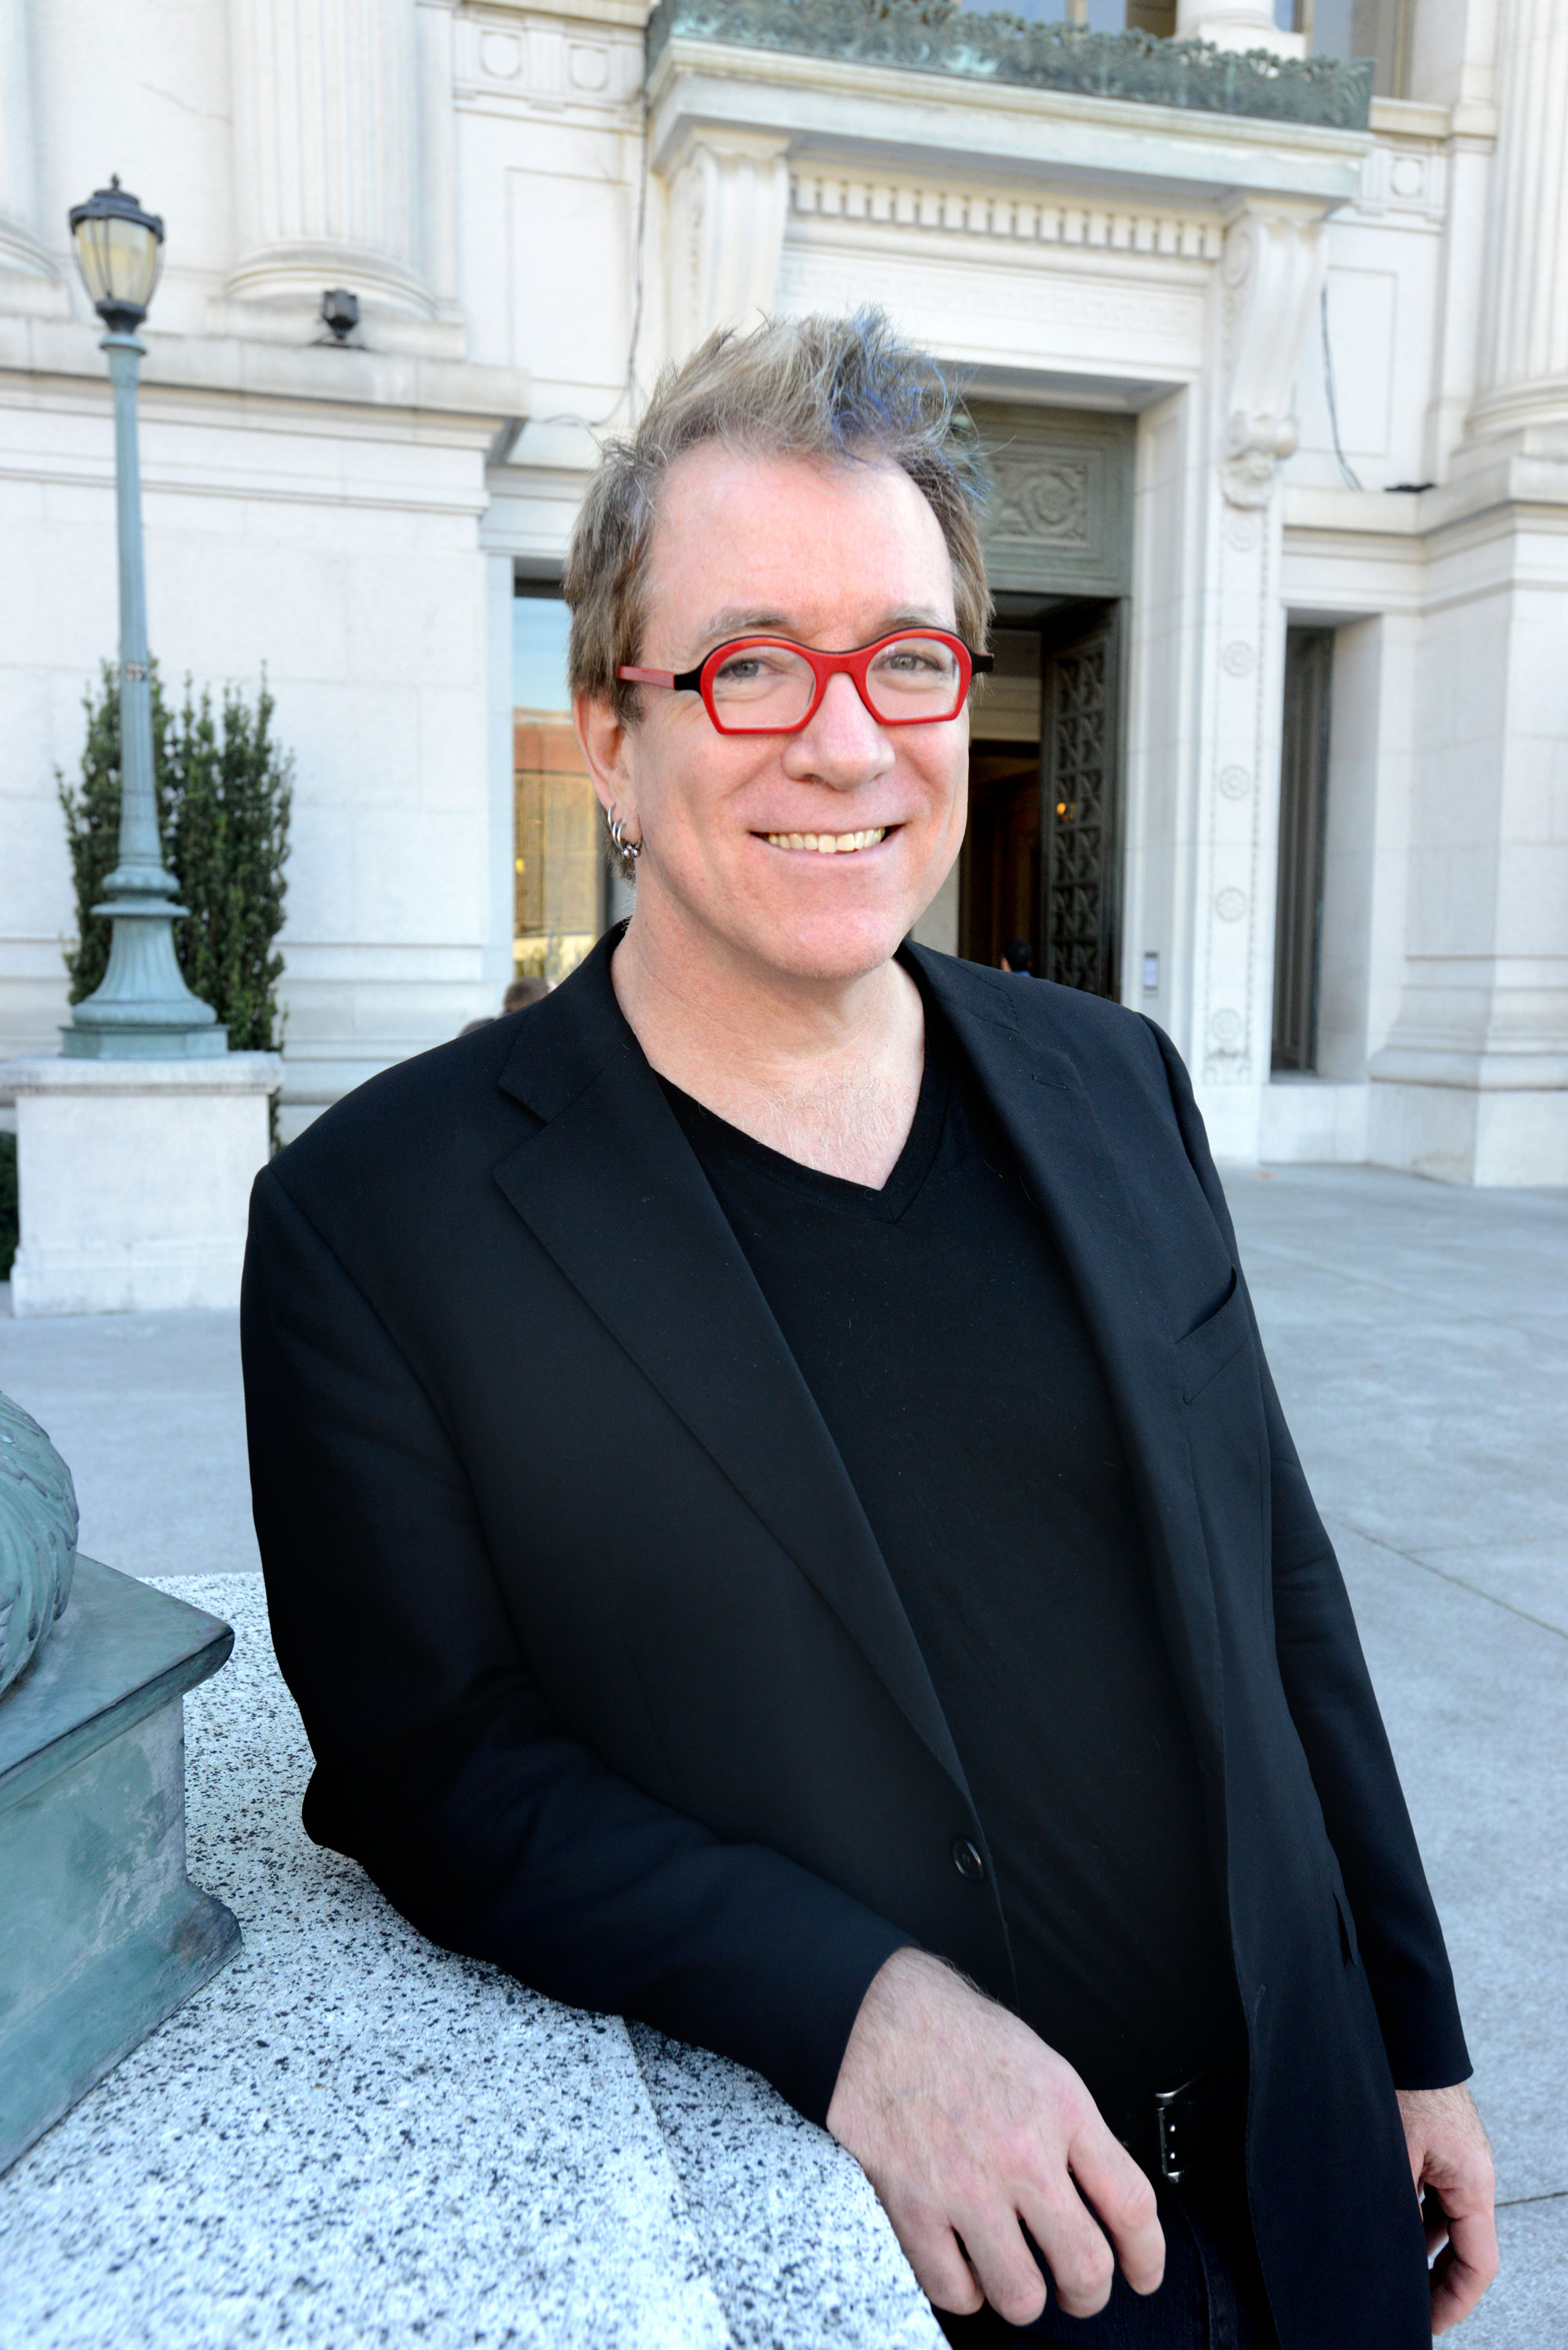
(225, 790)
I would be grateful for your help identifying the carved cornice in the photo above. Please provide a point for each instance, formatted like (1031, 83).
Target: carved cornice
(939, 37)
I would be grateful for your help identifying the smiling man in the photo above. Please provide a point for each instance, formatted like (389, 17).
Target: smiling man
(687, 1617)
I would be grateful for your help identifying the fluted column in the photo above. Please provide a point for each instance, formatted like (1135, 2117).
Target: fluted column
(1523, 373)
(326, 152)
(19, 245)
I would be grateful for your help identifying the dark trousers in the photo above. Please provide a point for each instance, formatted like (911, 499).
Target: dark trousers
(1212, 2297)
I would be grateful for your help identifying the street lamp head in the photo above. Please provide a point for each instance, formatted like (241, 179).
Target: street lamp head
(118, 249)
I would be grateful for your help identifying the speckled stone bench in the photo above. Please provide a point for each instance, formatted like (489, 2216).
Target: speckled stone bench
(349, 2138)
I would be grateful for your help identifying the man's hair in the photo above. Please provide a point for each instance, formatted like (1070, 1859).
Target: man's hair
(844, 389)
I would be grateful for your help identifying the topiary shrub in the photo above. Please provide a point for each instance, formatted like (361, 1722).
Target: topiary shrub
(225, 790)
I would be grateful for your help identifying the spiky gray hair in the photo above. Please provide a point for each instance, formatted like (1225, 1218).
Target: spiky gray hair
(844, 388)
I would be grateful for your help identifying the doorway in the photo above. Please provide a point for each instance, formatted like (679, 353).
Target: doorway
(1041, 855)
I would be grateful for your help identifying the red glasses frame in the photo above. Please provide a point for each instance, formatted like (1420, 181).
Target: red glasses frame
(854, 665)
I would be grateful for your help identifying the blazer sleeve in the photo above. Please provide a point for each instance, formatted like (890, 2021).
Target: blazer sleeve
(438, 1765)
(1330, 1694)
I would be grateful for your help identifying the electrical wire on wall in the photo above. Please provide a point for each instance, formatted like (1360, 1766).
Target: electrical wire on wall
(1348, 475)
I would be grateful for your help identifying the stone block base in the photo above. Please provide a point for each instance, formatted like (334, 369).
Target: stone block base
(1314, 1121)
(1459, 1134)
(135, 1178)
(101, 1934)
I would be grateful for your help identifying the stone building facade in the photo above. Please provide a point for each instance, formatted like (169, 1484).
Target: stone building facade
(1274, 367)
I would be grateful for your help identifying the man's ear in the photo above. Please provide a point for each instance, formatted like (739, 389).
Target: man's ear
(603, 740)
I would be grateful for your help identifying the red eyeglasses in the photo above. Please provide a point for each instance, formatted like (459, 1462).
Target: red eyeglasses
(769, 685)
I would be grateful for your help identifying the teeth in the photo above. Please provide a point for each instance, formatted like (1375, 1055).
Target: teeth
(827, 844)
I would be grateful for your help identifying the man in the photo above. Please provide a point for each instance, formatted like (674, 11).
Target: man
(991, 1766)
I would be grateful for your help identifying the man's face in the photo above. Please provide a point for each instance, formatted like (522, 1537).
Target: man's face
(833, 556)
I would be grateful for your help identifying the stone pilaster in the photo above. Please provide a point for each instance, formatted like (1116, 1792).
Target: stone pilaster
(1267, 295)
(327, 153)
(1472, 1083)
(1523, 373)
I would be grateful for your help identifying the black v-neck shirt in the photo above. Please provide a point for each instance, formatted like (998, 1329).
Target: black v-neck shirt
(936, 1326)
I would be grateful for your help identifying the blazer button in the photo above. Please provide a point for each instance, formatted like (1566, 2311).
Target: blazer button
(967, 1860)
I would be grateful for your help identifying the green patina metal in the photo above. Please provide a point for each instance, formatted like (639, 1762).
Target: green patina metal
(102, 1935)
(37, 1539)
(939, 37)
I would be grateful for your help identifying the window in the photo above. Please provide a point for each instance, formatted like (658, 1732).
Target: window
(1158, 17)
(558, 893)
(1304, 798)
(1354, 28)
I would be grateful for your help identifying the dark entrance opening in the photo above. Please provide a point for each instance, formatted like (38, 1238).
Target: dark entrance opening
(1041, 859)
(1303, 801)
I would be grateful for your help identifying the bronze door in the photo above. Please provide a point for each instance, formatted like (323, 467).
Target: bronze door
(1079, 808)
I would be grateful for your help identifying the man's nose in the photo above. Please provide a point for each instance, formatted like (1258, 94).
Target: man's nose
(842, 744)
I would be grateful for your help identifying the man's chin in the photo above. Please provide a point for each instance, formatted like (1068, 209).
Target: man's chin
(833, 952)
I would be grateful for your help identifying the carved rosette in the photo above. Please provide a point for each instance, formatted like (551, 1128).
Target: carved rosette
(37, 1539)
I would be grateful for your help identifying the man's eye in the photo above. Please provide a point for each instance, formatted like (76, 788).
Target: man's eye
(743, 670)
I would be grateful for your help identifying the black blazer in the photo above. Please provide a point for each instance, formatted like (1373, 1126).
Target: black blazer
(605, 1675)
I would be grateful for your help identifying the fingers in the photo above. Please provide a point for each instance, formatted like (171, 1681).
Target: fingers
(1128, 2210)
(1465, 2271)
(937, 2257)
(1081, 2263)
(1004, 2264)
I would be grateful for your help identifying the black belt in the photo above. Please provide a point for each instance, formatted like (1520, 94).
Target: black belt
(1185, 2135)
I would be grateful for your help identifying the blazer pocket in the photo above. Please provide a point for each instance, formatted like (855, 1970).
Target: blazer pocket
(1204, 1352)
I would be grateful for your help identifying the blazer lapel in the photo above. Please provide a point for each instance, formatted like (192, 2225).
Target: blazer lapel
(1075, 1181)
(609, 1186)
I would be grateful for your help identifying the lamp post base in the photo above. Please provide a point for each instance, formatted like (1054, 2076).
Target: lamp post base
(128, 1040)
(142, 1011)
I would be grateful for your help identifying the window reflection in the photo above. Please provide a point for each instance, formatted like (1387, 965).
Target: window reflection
(558, 876)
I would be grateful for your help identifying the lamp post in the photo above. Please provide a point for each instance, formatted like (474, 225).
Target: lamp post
(142, 1009)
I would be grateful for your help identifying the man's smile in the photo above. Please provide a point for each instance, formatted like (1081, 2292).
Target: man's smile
(827, 844)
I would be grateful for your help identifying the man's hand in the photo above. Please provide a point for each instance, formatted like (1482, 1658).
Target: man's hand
(1450, 2154)
(967, 2125)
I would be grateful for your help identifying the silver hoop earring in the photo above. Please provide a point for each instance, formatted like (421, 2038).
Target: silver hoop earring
(621, 844)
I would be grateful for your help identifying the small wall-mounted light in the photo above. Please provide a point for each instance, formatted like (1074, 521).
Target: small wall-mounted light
(119, 251)
(340, 310)
(1151, 974)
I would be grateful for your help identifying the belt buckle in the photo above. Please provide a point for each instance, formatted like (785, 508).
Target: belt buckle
(1171, 2124)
